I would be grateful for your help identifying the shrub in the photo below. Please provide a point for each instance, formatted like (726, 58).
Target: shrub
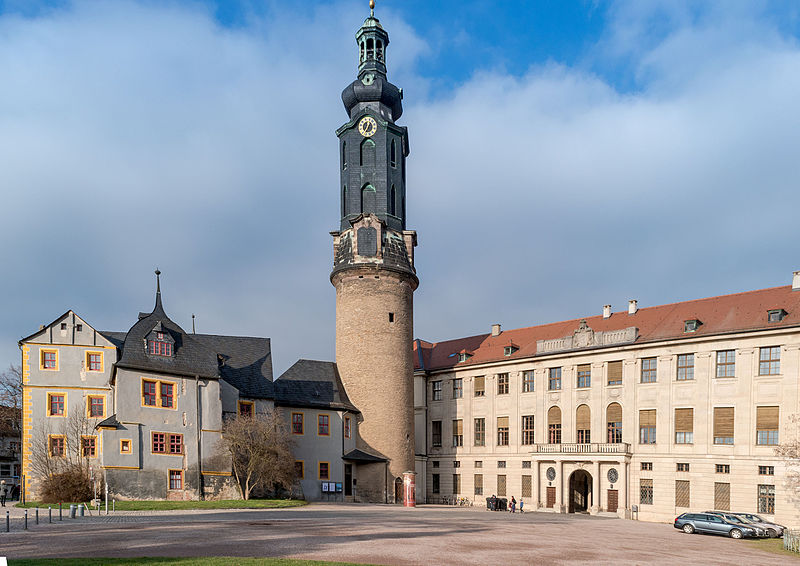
(70, 485)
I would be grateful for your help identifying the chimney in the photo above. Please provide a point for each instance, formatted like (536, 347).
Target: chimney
(495, 330)
(607, 311)
(796, 281)
(633, 306)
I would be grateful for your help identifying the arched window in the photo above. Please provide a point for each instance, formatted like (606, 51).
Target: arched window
(363, 52)
(368, 199)
(344, 155)
(367, 153)
(393, 155)
(554, 425)
(583, 424)
(370, 48)
(392, 201)
(614, 420)
(379, 54)
(344, 201)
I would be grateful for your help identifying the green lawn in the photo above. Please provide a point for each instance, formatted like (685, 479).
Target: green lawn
(172, 562)
(172, 505)
(772, 545)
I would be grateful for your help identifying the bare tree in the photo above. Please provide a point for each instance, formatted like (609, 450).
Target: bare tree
(11, 387)
(261, 452)
(789, 450)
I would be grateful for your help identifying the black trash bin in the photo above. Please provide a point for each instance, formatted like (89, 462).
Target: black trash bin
(502, 504)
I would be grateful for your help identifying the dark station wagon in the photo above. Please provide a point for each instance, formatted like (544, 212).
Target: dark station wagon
(712, 524)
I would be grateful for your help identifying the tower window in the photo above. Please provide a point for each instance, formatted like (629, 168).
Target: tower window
(379, 51)
(344, 200)
(367, 153)
(393, 154)
(391, 317)
(368, 199)
(370, 48)
(363, 52)
(392, 201)
(344, 155)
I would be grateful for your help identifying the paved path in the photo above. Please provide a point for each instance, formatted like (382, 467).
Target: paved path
(381, 535)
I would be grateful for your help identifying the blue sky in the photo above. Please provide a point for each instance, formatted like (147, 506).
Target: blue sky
(564, 155)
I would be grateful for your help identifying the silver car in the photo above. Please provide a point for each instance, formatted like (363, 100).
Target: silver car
(774, 530)
(761, 531)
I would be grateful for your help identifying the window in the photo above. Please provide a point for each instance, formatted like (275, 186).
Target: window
(502, 383)
(584, 375)
(436, 463)
(246, 408)
(766, 470)
(682, 493)
(323, 425)
(436, 390)
(685, 367)
(527, 430)
(458, 433)
(647, 426)
(297, 423)
(162, 442)
(583, 425)
(682, 467)
(160, 346)
(125, 446)
(63, 326)
(166, 395)
(435, 483)
(767, 425)
(726, 363)
(527, 381)
(456, 484)
(78, 328)
(691, 325)
(526, 464)
(480, 386)
(159, 443)
(347, 427)
(614, 423)
(436, 434)
(324, 471)
(615, 373)
(776, 315)
(456, 464)
(554, 379)
(766, 499)
(49, 359)
(527, 486)
(723, 425)
(176, 444)
(344, 155)
(648, 370)
(501, 463)
(501, 485)
(509, 350)
(94, 361)
(684, 426)
(89, 446)
(646, 491)
(554, 425)
(149, 393)
(478, 480)
(458, 388)
(723, 469)
(480, 432)
(299, 469)
(55, 404)
(96, 405)
(502, 431)
(647, 466)
(769, 361)
(57, 446)
(463, 356)
(13, 446)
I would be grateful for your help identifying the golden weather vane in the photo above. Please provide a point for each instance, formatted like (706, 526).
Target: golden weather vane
(372, 8)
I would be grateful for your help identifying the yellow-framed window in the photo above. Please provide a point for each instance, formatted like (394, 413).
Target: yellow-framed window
(126, 446)
(57, 404)
(246, 408)
(323, 424)
(299, 469)
(175, 480)
(94, 361)
(297, 423)
(96, 406)
(89, 446)
(160, 394)
(57, 445)
(48, 359)
(324, 470)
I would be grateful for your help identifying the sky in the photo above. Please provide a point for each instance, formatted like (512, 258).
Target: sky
(564, 156)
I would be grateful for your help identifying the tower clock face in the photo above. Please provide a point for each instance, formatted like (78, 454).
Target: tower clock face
(367, 126)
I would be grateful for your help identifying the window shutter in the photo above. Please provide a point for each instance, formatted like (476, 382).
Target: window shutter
(767, 418)
(583, 418)
(480, 383)
(682, 493)
(526, 486)
(585, 367)
(554, 416)
(723, 422)
(722, 496)
(684, 420)
(502, 422)
(647, 418)
(614, 413)
(614, 371)
(458, 427)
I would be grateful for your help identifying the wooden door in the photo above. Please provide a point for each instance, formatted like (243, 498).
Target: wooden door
(613, 500)
(551, 497)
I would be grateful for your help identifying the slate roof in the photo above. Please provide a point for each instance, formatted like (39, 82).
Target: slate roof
(726, 314)
(361, 456)
(109, 422)
(245, 363)
(312, 384)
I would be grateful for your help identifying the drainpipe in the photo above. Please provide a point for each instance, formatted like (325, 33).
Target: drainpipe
(386, 482)
(199, 443)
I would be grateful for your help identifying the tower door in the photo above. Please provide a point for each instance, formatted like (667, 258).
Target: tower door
(348, 480)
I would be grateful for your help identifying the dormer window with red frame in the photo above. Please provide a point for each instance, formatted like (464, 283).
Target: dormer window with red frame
(160, 346)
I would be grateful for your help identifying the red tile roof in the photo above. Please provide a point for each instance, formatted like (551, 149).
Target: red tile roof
(739, 312)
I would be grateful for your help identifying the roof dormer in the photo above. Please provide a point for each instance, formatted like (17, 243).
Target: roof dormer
(159, 342)
(691, 325)
(776, 315)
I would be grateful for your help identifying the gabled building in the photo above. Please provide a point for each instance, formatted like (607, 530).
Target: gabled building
(10, 447)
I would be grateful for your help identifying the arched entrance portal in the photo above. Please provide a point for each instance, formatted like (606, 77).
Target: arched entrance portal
(398, 490)
(580, 491)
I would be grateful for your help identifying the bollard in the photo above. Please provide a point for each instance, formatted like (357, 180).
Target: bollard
(113, 504)
(60, 515)
(26, 519)
(80, 510)
(8, 523)
(37, 515)
(49, 514)
(72, 509)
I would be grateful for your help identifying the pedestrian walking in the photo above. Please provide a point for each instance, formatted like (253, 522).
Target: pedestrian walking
(513, 504)
(3, 493)
(521, 504)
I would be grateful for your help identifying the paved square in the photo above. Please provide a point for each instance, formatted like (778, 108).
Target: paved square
(381, 535)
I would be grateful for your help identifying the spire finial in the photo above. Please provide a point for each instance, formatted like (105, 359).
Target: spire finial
(158, 289)
(372, 8)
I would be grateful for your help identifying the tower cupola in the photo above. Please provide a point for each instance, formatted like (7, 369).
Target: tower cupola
(372, 40)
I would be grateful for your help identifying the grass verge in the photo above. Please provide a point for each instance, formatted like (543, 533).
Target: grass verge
(217, 561)
(773, 546)
(176, 505)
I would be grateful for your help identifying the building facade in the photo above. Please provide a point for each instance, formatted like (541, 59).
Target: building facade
(10, 448)
(646, 413)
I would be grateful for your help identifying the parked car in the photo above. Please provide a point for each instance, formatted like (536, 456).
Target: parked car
(761, 531)
(773, 529)
(712, 524)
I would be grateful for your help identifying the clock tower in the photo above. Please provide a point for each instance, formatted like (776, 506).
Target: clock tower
(374, 275)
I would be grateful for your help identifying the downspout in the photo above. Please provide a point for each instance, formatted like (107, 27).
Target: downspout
(386, 482)
(199, 443)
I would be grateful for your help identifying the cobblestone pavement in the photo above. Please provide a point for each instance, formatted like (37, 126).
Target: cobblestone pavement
(379, 535)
